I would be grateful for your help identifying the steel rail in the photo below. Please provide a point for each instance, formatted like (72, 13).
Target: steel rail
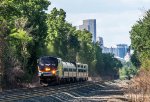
(46, 91)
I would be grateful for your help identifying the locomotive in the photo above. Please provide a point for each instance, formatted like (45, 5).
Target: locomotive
(53, 69)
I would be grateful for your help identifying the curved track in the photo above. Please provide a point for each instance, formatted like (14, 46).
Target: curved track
(14, 95)
(77, 92)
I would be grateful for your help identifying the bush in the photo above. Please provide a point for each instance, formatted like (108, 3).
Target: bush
(139, 87)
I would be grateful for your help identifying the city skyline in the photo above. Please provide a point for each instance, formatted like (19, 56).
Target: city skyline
(114, 18)
(90, 25)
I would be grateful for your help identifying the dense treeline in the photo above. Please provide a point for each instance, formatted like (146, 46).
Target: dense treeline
(128, 70)
(28, 32)
(140, 43)
(140, 39)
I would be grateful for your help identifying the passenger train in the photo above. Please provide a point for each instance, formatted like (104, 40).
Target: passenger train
(53, 69)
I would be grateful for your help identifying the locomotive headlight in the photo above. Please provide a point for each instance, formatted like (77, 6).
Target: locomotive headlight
(47, 69)
(53, 72)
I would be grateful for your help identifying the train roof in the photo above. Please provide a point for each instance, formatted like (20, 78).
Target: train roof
(81, 64)
(49, 57)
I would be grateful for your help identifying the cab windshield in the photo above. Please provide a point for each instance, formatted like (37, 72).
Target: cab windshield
(49, 61)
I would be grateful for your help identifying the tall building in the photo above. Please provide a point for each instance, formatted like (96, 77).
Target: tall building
(100, 42)
(122, 50)
(111, 50)
(90, 25)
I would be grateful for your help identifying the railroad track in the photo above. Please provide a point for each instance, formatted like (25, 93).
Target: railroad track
(65, 92)
(14, 95)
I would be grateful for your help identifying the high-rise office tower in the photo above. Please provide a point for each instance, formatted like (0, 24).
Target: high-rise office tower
(100, 42)
(112, 50)
(90, 25)
(122, 50)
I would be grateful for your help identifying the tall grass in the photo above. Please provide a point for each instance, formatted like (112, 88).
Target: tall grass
(138, 89)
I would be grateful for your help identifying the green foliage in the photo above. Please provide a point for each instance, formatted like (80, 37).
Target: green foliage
(135, 60)
(140, 35)
(20, 34)
(111, 64)
(85, 54)
(19, 37)
(24, 32)
(99, 59)
(128, 70)
(62, 40)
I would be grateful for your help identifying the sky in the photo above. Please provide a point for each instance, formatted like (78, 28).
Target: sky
(114, 18)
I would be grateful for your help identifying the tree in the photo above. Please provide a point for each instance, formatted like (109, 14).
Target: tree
(140, 35)
(111, 65)
(99, 60)
(19, 39)
(86, 51)
(62, 40)
(25, 34)
(57, 33)
(73, 44)
(135, 60)
(128, 70)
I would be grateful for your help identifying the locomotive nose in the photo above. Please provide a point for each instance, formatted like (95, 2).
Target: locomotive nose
(47, 69)
(54, 72)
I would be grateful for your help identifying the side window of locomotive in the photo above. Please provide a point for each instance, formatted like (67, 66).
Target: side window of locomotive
(74, 70)
(81, 70)
(65, 69)
(37, 61)
(70, 70)
(78, 66)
